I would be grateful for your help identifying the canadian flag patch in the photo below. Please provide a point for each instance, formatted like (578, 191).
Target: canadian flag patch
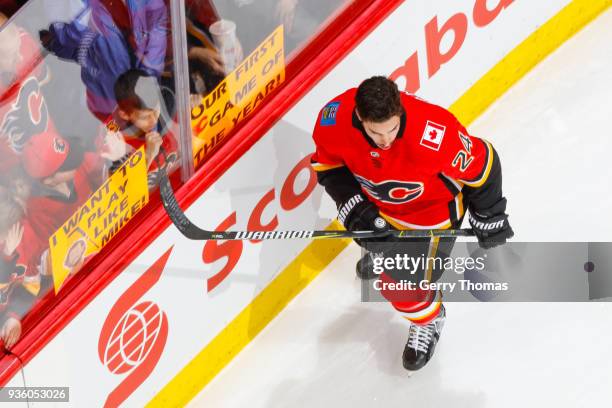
(433, 135)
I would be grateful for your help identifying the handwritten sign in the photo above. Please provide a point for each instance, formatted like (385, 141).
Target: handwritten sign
(99, 219)
(238, 95)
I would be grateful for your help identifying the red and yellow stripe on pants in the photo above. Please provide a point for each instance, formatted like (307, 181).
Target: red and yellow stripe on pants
(421, 313)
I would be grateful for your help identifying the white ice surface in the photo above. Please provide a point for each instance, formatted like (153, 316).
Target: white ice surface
(329, 349)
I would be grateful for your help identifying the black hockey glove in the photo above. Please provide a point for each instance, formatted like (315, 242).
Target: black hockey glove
(491, 225)
(360, 214)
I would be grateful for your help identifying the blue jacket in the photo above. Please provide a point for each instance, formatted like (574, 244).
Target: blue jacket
(149, 30)
(102, 50)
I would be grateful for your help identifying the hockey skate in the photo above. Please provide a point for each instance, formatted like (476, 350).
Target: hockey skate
(365, 266)
(422, 342)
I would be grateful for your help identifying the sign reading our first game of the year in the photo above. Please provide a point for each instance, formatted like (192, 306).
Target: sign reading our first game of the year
(238, 95)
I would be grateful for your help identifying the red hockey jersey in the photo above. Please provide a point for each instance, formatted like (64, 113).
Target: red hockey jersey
(417, 182)
(47, 210)
(23, 110)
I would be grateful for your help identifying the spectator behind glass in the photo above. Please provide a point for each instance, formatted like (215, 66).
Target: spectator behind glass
(23, 107)
(10, 45)
(49, 84)
(118, 36)
(142, 119)
(18, 285)
(64, 175)
(143, 23)
(206, 69)
(256, 19)
(26, 251)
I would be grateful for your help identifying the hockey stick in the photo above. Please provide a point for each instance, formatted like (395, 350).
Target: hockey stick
(191, 231)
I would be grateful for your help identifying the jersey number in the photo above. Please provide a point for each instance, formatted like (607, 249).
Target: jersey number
(463, 158)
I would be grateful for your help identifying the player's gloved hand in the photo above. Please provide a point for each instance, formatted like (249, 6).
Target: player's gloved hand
(360, 214)
(491, 225)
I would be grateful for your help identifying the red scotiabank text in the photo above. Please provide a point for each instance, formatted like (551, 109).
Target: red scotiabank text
(482, 16)
(232, 250)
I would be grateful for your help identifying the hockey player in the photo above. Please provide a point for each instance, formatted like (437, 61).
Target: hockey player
(391, 160)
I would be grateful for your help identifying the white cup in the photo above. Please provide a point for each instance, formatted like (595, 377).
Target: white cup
(224, 37)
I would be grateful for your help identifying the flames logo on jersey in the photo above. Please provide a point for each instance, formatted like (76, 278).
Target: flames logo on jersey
(28, 115)
(392, 191)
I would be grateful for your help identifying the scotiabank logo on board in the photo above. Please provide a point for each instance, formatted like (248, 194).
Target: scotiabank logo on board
(482, 14)
(134, 335)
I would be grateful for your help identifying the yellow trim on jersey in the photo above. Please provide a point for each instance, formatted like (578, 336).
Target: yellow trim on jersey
(459, 210)
(398, 224)
(458, 184)
(324, 167)
(459, 204)
(393, 223)
(479, 182)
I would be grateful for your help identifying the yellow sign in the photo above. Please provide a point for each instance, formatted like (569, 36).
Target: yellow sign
(238, 95)
(93, 225)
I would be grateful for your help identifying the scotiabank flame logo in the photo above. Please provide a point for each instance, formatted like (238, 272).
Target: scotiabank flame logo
(134, 335)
